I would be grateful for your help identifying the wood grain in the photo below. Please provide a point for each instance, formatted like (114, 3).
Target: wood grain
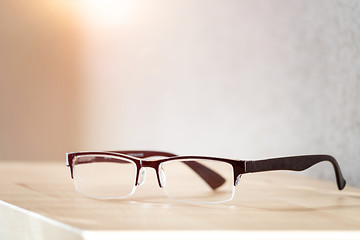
(266, 201)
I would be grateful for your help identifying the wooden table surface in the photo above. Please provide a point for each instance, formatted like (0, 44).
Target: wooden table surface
(38, 201)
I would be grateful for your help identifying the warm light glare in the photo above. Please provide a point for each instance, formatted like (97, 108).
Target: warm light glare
(104, 12)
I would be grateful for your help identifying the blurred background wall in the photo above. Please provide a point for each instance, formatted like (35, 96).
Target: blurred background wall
(39, 80)
(238, 79)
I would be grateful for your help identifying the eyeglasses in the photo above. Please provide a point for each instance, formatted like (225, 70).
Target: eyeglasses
(116, 174)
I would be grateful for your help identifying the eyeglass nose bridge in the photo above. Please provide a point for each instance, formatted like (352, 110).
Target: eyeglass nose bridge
(159, 171)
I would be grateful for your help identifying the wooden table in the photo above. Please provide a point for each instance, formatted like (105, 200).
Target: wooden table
(38, 201)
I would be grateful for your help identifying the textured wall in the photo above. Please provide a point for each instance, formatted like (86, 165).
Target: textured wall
(241, 79)
(244, 79)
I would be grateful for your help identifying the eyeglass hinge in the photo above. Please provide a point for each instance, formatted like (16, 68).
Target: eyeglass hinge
(67, 159)
(248, 166)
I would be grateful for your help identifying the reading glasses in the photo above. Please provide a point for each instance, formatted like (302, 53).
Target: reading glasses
(199, 179)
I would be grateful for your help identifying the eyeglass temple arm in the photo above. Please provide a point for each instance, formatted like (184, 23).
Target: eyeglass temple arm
(212, 178)
(295, 163)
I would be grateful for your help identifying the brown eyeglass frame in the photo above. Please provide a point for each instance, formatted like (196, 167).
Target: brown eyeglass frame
(210, 176)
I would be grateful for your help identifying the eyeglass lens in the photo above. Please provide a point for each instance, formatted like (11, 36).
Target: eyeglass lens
(100, 176)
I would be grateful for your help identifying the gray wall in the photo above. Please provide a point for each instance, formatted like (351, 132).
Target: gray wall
(239, 79)
(242, 79)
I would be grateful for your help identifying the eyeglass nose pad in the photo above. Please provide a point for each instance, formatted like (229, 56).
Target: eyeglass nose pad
(162, 177)
(237, 180)
(142, 176)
